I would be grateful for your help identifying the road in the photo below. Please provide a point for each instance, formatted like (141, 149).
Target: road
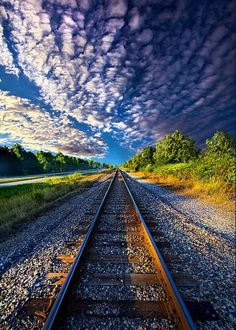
(41, 179)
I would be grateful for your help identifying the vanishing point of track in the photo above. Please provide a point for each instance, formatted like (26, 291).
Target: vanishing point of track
(119, 273)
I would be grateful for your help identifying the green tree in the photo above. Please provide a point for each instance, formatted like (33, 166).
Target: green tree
(9, 163)
(220, 144)
(19, 161)
(18, 150)
(27, 161)
(146, 157)
(60, 162)
(175, 148)
(46, 160)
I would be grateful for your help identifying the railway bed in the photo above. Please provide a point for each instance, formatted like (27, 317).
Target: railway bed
(116, 285)
(118, 279)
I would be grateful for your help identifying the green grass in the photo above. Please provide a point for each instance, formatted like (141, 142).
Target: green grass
(22, 202)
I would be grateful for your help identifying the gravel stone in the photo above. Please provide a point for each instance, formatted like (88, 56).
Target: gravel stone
(204, 239)
(29, 254)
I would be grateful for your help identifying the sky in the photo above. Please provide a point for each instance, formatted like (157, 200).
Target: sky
(102, 79)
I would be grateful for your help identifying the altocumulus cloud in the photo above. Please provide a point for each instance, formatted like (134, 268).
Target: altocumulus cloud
(37, 129)
(132, 69)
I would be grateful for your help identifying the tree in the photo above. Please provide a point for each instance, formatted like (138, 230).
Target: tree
(60, 162)
(30, 164)
(19, 161)
(9, 163)
(46, 160)
(146, 157)
(175, 148)
(27, 161)
(18, 151)
(220, 144)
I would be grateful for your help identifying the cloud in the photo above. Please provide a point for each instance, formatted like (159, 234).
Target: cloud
(37, 129)
(6, 58)
(145, 37)
(135, 19)
(134, 71)
(117, 8)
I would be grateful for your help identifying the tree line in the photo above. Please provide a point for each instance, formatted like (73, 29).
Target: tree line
(17, 161)
(217, 160)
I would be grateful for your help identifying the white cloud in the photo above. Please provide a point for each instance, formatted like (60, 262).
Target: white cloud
(37, 129)
(135, 20)
(145, 36)
(92, 61)
(117, 8)
(6, 58)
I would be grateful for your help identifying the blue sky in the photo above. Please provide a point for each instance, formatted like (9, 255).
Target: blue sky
(102, 79)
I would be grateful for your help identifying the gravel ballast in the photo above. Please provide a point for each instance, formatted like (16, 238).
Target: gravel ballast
(29, 254)
(200, 236)
(204, 239)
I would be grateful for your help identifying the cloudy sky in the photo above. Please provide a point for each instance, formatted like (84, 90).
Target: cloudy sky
(101, 79)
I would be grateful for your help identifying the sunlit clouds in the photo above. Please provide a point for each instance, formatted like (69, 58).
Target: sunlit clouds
(132, 70)
(37, 129)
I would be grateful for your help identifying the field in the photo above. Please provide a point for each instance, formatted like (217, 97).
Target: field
(24, 202)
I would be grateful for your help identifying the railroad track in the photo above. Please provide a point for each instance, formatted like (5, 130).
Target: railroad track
(118, 280)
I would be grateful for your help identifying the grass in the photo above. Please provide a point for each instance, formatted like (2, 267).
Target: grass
(184, 179)
(24, 202)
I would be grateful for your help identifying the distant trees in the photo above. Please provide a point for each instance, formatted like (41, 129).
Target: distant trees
(18, 161)
(142, 159)
(9, 163)
(26, 162)
(47, 161)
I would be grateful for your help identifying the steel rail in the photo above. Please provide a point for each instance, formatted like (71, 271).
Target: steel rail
(53, 317)
(183, 317)
(178, 307)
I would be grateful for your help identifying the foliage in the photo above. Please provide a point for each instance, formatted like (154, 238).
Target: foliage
(175, 148)
(26, 161)
(176, 156)
(220, 144)
(18, 161)
(146, 156)
(141, 160)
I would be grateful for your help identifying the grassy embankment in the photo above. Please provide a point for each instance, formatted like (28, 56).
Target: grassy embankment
(212, 182)
(24, 202)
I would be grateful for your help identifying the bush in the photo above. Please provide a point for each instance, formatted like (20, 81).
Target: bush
(149, 168)
(221, 168)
